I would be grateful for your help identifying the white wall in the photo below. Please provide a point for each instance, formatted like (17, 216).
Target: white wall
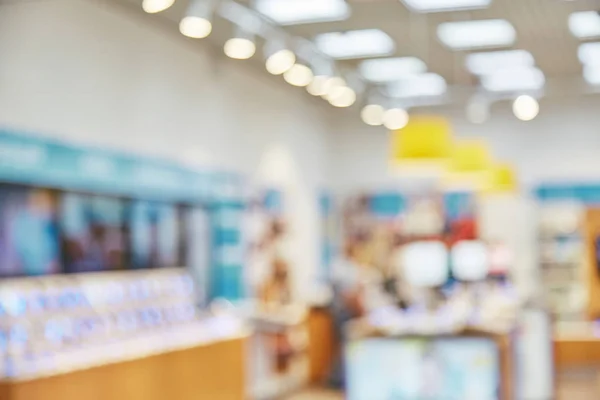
(563, 143)
(87, 72)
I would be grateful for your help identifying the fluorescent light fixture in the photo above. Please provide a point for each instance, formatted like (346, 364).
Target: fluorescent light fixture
(425, 6)
(477, 34)
(584, 24)
(293, 12)
(489, 62)
(591, 74)
(589, 53)
(391, 69)
(422, 85)
(355, 44)
(514, 80)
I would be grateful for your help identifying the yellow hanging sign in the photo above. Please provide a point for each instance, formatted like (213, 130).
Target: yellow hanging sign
(423, 139)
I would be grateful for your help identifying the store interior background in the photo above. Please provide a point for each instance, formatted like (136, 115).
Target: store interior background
(103, 73)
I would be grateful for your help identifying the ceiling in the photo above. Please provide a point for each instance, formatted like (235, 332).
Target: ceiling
(541, 27)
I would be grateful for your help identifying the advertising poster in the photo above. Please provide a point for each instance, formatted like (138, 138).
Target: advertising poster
(29, 238)
(420, 369)
(93, 233)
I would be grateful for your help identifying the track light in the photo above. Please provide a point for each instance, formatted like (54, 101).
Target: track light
(526, 108)
(330, 86)
(279, 58)
(197, 22)
(299, 75)
(156, 6)
(395, 118)
(241, 46)
(372, 114)
(342, 96)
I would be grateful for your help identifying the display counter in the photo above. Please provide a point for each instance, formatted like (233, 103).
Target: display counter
(210, 371)
(468, 365)
(119, 335)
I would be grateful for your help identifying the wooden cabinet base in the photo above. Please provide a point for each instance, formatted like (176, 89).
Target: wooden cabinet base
(211, 372)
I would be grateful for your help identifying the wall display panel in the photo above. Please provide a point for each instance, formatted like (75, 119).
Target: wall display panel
(198, 231)
(155, 235)
(444, 368)
(29, 242)
(94, 233)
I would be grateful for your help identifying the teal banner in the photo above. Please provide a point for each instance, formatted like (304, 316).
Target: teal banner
(43, 162)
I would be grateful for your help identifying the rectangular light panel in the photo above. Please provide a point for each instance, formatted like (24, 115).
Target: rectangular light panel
(589, 54)
(489, 62)
(425, 6)
(477, 34)
(514, 80)
(391, 69)
(423, 85)
(584, 24)
(355, 44)
(591, 74)
(294, 12)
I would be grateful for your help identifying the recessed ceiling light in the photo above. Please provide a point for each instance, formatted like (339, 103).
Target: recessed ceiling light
(445, 5)
(585, 24)
(589, 53)
(514, 80)
(591, 74)
(418, 86)
(355, 44)
(292, 12)
(477, 34)
(489, 62)
(391, 69)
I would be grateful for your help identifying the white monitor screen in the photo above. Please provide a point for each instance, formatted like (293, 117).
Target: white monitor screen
(425, 263)
(470, 260)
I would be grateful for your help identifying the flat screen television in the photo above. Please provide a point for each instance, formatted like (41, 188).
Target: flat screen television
(465, 368)
(93, 233)
(156, 237)
(29, 237)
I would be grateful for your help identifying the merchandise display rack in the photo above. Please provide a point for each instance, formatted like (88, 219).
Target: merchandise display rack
(562, 260)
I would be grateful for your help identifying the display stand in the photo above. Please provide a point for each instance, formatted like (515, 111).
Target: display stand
(362, 334)
(265, 380)
(210, 371)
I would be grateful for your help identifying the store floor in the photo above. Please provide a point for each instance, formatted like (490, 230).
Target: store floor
(579, 386)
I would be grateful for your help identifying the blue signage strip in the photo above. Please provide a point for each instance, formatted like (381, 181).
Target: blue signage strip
(43, 162)
(582, 192)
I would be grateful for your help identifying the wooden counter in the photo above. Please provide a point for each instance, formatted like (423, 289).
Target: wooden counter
(576, 352)
(322, 346)
(214, 371)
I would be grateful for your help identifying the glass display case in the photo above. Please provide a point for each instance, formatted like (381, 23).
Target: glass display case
(54, 324)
